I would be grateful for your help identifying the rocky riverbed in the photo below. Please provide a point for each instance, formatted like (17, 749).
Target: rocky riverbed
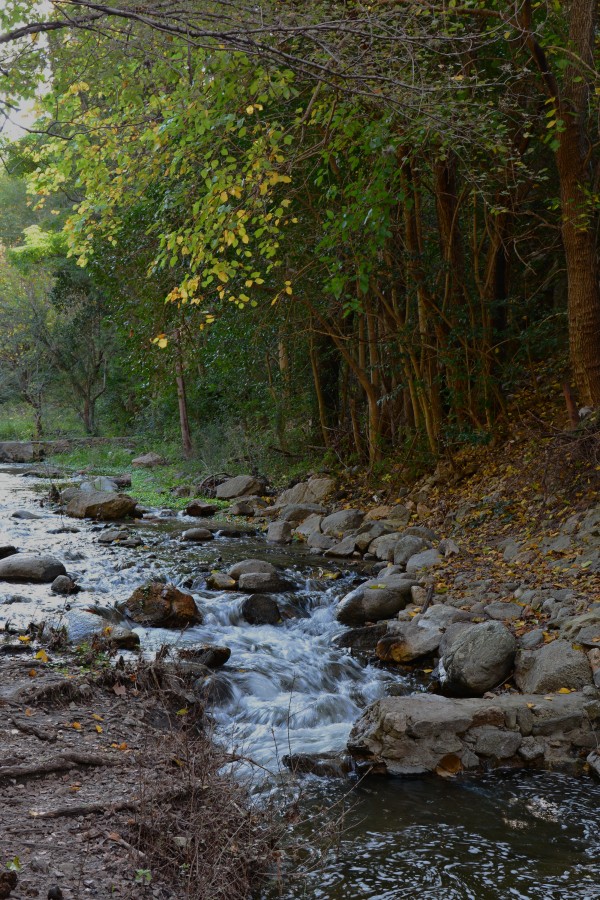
(318, 652)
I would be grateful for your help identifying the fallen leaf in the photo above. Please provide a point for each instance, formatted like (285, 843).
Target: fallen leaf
(120, 690)
(41, 654)
(32, 673)
(564, 691)
(99, 729)
(76, 726)
(97, 717)
(28, 711)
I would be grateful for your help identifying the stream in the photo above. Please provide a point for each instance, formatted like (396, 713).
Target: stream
(286, 688)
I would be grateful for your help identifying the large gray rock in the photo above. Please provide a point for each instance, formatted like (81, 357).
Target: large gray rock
(361, 641)
(246, 566)
(240, 486)
(425, 733)
(406, 642)
(339, 523)
(344, 548)
(318, 541)
(262, 582)
(197, 535)
(105, 505)
(101, 483)
(310, 525)
(384, 547)
(554, 666)
(26, 567)
(480, 658)
(295, 513)
(376, 599)
(406, 547)
(427, 559)
(279, 533)
(149, 460)
(315, 490)
(20, 451)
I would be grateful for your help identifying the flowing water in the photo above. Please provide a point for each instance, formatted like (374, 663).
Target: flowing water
(287, 688)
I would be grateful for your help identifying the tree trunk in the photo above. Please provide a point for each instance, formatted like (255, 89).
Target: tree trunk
(186, 439)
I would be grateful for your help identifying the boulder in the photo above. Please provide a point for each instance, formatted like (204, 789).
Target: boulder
(315, 490)
(245, 566)
(262, 581)
(101, 483)
(199, 508)
(405, 642)
(149, 461)
(480, 658)
(7, 550)
(106, 505)
(121, 638)
(361, 641)
(318, 541)
(162, 605)
(339, 523)
(63, 584)
(503, 611)
(219, 581)
(242, 508)
(554, 666)
(279, 533)
(197, 535)
(406, 547)
(345, 548)
(240, 486)
(426, 734)
(261, 609)
(427, 559)
(295, 513)
(311, 525)
(26, 567)
(384, 547)
(212, 656)
(374, 600)
(20, 451)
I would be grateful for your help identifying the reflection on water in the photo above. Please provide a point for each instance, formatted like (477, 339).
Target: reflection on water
(532, 837)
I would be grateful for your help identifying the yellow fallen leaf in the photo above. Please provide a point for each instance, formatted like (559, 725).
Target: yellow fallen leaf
(564, 691)
(25, 638)
(531, 706)
(548, 698)
(28, 711)
(97, 717)
(41, 654)
(99, 729)
(76, 726)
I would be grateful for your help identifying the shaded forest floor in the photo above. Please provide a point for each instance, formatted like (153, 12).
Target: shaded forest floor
(110, 788)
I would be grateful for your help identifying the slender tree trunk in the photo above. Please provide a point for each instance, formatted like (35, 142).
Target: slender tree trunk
(186, 438)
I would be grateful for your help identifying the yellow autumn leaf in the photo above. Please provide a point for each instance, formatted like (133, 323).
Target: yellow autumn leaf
(99, 729)
(76, 726)
(42, 655)
(97, 717)
(249, 110)
(564, 691)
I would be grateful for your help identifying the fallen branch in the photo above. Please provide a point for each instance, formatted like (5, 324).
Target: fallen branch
(84, 809)
(61, 763)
